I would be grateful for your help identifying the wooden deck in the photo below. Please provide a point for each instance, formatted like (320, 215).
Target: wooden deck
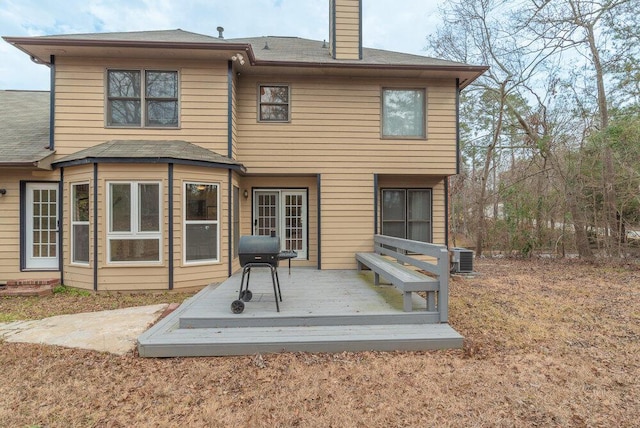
(321, 311)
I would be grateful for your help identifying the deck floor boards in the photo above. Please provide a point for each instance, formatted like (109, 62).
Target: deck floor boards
(321, 311)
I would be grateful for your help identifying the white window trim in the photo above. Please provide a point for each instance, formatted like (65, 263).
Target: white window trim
(143, 99)
(78, 223)
(134, 234)
(186, 222)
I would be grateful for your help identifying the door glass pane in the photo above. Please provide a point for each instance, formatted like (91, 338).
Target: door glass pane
(393, 213)
(419, 215)
(267, 220)
(120, 207)
(293, 222)
(393, 204)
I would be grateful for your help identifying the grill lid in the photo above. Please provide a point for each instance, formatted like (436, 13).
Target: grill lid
(259, 249)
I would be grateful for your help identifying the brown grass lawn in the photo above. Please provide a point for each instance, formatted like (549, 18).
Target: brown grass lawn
(547, 343)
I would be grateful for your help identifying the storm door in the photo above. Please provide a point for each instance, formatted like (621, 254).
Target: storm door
(283, 213)
(41, 226)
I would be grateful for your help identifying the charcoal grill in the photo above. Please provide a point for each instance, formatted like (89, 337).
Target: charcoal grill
(256, 252)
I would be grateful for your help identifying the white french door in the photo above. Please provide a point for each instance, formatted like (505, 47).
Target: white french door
(41, 222)
(283, 212)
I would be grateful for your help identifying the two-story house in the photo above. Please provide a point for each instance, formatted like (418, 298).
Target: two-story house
(155, 151)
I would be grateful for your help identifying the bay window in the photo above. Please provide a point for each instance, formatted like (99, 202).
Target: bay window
(134, 222)
(201, 223)
(80, 223)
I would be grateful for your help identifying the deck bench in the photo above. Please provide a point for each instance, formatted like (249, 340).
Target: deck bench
(400, 261)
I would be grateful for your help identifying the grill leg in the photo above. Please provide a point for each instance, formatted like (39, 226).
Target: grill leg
(246, 270)
(278, 282)
(274, 275)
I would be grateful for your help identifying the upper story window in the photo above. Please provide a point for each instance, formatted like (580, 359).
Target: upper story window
(142, 98)
(403, 113)
(274, 103)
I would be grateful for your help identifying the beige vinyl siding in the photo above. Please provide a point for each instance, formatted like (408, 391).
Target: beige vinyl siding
(80, 104)
(10, 223)
(347, 29)
(198, 275)
(335, 124)
(335, 132)
(309, 183)
(347, 218)
(77, 275)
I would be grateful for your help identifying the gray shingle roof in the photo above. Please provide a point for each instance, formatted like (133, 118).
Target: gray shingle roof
(281, 49)
(149, 151)
(161, 36)
(24, 127)
(296, 49)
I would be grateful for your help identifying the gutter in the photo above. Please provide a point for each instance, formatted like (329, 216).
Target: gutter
(21, 42)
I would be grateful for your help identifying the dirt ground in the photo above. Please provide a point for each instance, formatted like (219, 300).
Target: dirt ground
(547, 343)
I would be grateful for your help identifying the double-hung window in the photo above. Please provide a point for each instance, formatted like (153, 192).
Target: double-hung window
(139, 98)
(407, 214)
(134, 222)
(273, 101)
(80, 223)
(403, 113)
(201, 223)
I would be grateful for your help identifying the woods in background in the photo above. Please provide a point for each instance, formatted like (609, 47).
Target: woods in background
(550, 135)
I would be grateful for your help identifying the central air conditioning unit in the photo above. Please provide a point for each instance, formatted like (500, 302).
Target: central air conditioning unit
(462, 261)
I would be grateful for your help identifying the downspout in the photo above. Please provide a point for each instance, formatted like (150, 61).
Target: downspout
(229, 109)
(170, 219)
(52, 102)
(95, 227)
(23, 225)
(375, 204)
(446, 211)
(61, 226)
(360, 30)
(230, 220)
(230, 174)
(319, 190)
(457, 126)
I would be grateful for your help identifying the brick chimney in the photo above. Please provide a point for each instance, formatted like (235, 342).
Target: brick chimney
(345, 29)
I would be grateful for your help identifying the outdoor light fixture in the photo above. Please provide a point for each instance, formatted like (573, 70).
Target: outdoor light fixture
(4, 191)
(246, 194)
(239, 58)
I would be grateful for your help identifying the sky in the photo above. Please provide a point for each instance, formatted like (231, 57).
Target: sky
(400, 25)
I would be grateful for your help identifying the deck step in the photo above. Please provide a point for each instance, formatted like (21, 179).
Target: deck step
(247, 320)
(183, 342)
